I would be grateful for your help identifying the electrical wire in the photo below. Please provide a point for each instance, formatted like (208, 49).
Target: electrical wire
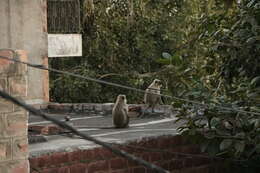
(124, 86)
(84, 136)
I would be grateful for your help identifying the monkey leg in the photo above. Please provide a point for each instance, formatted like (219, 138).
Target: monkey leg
(143, 112)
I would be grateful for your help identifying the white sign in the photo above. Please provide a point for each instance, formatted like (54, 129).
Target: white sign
(64, 45)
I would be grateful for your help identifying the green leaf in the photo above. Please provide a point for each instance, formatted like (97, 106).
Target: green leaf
(240, 146)
(166, 55)
(240, 135)
(225, 144)
(257, 148)
(214, 122)
(253, 95)
(255, 80)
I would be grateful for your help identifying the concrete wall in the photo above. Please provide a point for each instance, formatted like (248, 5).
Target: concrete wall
(24, 26)
(13, 119)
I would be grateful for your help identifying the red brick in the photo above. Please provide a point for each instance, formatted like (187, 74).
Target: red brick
(64, 170)
(190, 149)
(188, 162)
(122, 171)
(60, 158)
(20, 148)
(197, 161)
(5, 150)
(166, 142)
(33, 162)
(168, 155)
(78, 168)
(139, 170)
(105, 153)
(50, 170)
(88, 155)
(118, 163)
(177, 141)
(131, 150)
(176, 164)
(99, 153)
(203, 169)
(144, 156)
(163, 164)
(188, 170)
(75, 156)
(98, 166)
(155, 156)
(44, 161)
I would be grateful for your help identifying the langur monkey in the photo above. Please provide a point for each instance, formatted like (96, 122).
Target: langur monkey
(153, 99)
(120, 112)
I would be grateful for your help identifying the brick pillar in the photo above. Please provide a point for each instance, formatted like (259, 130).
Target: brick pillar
(13, 119)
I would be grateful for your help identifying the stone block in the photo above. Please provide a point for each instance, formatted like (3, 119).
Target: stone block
(5, 64)
(3, 84)
(2, 125)
(22, 69)
(21, 166)
(88, 107)
(5, 106)
(20, 148)
(5, 150)
(18, 86)
(11, 68)
(17, 108)
(16, 124)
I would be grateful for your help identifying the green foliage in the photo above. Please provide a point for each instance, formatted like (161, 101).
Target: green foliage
(207, 51)
(228, 78)
(118, 46)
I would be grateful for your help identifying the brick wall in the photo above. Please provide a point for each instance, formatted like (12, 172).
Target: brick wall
(100, 160)
(13, 120)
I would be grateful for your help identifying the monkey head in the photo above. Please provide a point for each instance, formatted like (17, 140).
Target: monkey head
(121, 98)
(157, 83)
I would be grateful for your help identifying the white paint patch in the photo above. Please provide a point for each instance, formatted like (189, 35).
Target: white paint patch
(34, 101)
(131, 131)
(153, 122)
(64, 45)
(72, 119)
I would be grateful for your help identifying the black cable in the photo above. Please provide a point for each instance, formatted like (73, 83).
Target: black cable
(84, 136)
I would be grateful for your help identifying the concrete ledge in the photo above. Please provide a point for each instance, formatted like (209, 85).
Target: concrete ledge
(103, 107)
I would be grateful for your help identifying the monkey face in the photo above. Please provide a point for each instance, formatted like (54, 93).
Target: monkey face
(157, 83)
(121, 97)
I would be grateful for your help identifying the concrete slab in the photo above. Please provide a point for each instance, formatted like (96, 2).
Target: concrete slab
(92, 123)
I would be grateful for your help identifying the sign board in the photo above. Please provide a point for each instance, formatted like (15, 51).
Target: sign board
(64, 45)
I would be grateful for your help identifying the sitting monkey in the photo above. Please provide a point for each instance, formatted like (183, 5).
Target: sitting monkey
(120, 112)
